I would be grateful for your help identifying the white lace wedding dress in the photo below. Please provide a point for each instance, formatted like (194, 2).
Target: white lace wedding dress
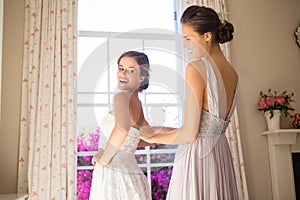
(122, 179)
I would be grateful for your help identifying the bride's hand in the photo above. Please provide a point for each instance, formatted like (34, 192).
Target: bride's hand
(97, 156)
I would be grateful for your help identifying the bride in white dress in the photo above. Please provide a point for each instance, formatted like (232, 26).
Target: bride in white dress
(116, 175)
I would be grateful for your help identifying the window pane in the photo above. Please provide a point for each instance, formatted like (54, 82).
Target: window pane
(117, 46)
(161, 99)
(92, 63)
(86, 46)
(162, 158)
(162, 52)
(163, 78)
(84, 181)
(160, 179)
(100, 113)
(86, 117)
(124, 16)
(163, 116)
(90, 117)
(164, 146)
(141, 158)
(102, 80)
(91, 98)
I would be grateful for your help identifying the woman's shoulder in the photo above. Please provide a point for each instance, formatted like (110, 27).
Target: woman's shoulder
(121, 102)
(197, 63)
(232, 73)
(121, 96)
(196, 69)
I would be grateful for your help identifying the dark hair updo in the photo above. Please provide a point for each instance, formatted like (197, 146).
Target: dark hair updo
(143, 62)
(204, 19)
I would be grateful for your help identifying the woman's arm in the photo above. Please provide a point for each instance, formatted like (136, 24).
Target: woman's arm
(162, 129)
(143, 143)
(150, 133)
(195, 88)
(120, 130)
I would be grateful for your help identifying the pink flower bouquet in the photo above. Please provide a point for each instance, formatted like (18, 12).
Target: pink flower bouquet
(271, 101)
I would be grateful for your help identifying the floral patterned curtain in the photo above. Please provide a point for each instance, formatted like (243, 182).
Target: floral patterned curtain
(47, 152)
(233, 131)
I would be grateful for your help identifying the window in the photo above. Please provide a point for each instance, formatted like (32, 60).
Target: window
(105, 32)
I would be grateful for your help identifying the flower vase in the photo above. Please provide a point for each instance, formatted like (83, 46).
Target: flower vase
(274, 122)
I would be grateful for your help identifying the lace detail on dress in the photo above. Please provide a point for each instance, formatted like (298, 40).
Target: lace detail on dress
(124, 160)
(121, 179)
(131, 142)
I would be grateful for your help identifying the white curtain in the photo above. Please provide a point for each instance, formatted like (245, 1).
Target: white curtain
(47, 152)
(233, 131)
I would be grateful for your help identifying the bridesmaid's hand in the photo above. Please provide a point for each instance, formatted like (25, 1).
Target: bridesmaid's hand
(148, 140)
(146, 132)
(97, 156)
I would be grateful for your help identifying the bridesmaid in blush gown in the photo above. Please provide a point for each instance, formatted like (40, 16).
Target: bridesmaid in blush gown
(116, 175)
(203, 168)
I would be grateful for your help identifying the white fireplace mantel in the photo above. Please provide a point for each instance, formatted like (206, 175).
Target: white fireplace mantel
(280, 143)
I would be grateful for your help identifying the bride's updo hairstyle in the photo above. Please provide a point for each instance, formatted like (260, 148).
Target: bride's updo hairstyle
(204, 19)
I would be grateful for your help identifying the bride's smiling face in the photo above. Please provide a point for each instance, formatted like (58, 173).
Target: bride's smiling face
(129, 78)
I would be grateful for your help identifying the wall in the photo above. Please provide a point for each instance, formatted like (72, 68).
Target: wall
(11, 91)
(265, 55)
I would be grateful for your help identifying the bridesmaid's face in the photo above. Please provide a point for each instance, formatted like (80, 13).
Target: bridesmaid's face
(195, 43)
(129, 78)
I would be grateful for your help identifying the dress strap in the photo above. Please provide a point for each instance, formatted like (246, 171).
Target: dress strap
(234, 101)
(212, 88)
